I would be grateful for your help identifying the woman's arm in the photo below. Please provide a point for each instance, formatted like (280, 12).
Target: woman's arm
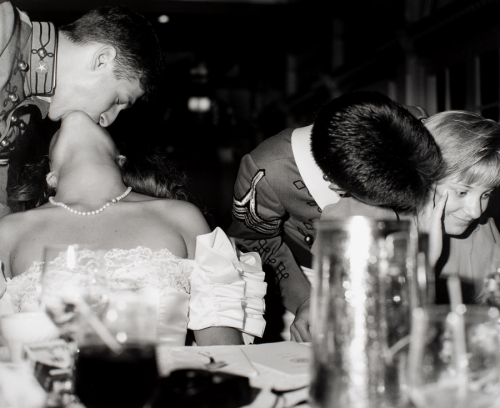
(217, 336)
(190, 223)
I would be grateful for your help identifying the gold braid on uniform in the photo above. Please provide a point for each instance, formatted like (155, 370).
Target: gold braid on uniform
(245, 209)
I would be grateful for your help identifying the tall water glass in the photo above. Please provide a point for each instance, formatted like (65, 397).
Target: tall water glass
(454, 357)
(72, 274)
(371, 275)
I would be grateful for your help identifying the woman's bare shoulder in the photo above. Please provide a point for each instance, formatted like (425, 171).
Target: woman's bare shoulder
(10, 221)
(179, 210)
(15, 224)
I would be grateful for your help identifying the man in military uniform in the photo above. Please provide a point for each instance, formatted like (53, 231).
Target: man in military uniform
(363, 148)
(100, 64)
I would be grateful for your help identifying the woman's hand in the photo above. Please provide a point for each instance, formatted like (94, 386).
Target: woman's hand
(430, 221)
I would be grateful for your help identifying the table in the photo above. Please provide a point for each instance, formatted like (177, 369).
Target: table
(279, 370)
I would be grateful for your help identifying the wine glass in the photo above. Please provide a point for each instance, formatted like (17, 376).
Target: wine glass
(453, 359)
(116, 362)
(72, 274)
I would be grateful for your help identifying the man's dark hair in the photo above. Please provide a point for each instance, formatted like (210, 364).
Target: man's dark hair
(376, 150)
(138, 52)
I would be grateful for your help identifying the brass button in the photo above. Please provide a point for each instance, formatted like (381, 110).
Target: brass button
(22, 65)
(309, 239)
(42, 52)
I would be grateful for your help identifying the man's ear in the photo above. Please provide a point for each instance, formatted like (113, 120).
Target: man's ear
(51, 179)
(104, 56)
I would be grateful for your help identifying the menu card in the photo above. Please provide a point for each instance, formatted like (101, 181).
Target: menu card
(225, 359)
(55, 353)
(282, 366)
(287, 356)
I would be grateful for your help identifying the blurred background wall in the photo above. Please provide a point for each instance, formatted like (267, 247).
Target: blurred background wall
(239, 71)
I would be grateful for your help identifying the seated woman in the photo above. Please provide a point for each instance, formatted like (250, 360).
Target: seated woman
(470, 146)
(202, 283)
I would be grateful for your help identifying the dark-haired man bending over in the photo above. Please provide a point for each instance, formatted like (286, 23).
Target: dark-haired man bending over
(363, 148)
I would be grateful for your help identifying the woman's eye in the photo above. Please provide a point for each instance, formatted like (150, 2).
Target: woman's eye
(486, 196)
(460, 193)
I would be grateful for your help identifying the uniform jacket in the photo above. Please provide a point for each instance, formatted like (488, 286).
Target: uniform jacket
(28, 53)
(278, 195)
(273, 214)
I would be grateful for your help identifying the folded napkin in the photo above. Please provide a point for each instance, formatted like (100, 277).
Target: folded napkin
(227, 287)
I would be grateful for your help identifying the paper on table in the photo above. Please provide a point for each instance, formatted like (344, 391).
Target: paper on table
(228, 359)
(287, 356)
(282, 366)
(55, 353)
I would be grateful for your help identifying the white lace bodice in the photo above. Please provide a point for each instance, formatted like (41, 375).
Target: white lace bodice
(219, 288)
(132, 269)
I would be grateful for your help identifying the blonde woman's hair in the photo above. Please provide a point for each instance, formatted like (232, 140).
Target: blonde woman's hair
(469, 144)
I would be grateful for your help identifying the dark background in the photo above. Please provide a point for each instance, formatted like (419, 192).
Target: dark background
(271, 64)
(265, 65)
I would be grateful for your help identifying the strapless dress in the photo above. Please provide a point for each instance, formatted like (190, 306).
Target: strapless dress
(220, 287)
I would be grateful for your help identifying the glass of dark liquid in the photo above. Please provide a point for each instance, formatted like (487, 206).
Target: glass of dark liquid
(115, 366)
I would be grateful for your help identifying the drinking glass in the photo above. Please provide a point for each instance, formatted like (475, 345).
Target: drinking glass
(116, 361)
(72, 274)
(371, 274)
(454, 357)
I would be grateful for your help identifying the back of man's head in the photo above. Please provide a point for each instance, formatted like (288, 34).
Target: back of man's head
(376, 150)
(138, 52)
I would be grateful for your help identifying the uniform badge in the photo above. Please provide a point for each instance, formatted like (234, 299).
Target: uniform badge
(245, 209)
(41, 67)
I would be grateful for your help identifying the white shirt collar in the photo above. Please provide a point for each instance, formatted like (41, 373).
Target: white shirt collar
(310, 172)
(45, 98)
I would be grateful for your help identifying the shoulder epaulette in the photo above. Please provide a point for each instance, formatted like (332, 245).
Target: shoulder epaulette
(43, 58)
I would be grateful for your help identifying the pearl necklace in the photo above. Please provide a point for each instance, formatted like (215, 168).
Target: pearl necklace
(113, 201)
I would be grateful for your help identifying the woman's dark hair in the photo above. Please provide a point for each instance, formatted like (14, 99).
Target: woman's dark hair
(29, 165)
(29, 189)
(154, 175)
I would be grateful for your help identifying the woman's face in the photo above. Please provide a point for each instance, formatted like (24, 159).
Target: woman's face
(465, 203)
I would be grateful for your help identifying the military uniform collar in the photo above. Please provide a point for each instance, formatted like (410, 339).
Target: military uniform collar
(43, 60)
(310, 172)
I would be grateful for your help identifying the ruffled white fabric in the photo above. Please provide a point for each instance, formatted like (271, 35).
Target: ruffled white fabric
(219, 288)
(21, 294)
(227, 287)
